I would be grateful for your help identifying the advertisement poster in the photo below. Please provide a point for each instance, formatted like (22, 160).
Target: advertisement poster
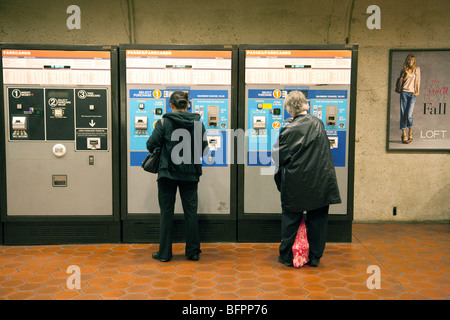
(419, 113)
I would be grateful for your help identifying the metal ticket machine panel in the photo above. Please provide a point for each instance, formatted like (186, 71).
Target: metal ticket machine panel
(60, 156)
(151, 75)
(326, 75)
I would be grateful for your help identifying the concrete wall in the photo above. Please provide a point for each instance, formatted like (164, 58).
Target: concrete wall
(418, 184)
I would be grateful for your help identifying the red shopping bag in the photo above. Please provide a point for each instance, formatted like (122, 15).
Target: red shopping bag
(300, 249)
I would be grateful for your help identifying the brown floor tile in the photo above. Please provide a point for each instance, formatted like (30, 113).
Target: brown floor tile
(295, 292)
(159, 294)
(273, 296)
(335, 283)
(222, 288)
(314, 287)
(226, 296)
(414, 261)
(21, 295)
(203, 293)
(181, 296)
(269, 287)
(365, 296)
(113, 294)
(311, 279)
(67, 295)
(205, 284)
(48, 290)
(179, 288)
(29, 287)
(118, 285)
(319, 296)
(142, 280)
(247, 293)
(93, 290)
(5, 292)
(135, 296)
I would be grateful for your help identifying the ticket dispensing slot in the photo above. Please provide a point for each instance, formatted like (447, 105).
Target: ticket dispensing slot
(331, 116)
(333, 142)
(59, 180)
(213, 116)
(93, 143)
(19, 127)
(214, 143)
(140, 124)
(259, 124)
(58, 112)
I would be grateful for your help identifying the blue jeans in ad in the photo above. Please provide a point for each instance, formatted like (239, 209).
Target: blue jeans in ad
(407, 101)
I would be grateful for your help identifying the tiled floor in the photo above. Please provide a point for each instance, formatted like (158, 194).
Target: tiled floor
(413, 262)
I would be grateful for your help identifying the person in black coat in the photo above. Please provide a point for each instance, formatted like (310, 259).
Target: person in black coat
(180, 135)
(306, 179)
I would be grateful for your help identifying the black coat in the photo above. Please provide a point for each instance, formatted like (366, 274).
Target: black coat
(306, 176)
(188, 164)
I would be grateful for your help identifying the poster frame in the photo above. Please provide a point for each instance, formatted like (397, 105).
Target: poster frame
(393, 74)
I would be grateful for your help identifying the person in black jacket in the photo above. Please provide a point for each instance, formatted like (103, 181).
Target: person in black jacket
(306, 179)
(181, 138)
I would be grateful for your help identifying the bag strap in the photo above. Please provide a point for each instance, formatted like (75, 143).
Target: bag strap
(162, 123)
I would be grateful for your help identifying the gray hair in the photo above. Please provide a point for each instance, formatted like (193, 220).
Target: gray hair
(295, 103)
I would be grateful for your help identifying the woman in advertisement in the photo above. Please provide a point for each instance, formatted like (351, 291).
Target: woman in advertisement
(410, 85)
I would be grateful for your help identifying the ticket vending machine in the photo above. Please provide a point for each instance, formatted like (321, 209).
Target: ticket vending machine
(149, 75)
(59, 144)
(327, 77)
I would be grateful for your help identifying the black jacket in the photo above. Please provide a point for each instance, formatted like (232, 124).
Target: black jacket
(180, 159)
(306, 176)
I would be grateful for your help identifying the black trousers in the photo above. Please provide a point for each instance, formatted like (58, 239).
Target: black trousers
(167, 190)
(316, 229)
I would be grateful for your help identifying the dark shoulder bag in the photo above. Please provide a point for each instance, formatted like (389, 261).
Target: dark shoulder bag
(151, 162)
(399, 83)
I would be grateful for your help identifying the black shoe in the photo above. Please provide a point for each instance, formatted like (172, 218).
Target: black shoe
(313, 262)
(155, 256)
(286, 263)
(194, 257)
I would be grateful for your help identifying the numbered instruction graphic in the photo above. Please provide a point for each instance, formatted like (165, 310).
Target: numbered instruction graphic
(149, 106)
(267, 116)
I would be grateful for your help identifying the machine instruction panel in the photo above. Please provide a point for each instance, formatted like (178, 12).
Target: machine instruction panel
(324, 77)
(57, 107)
(151, 77)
